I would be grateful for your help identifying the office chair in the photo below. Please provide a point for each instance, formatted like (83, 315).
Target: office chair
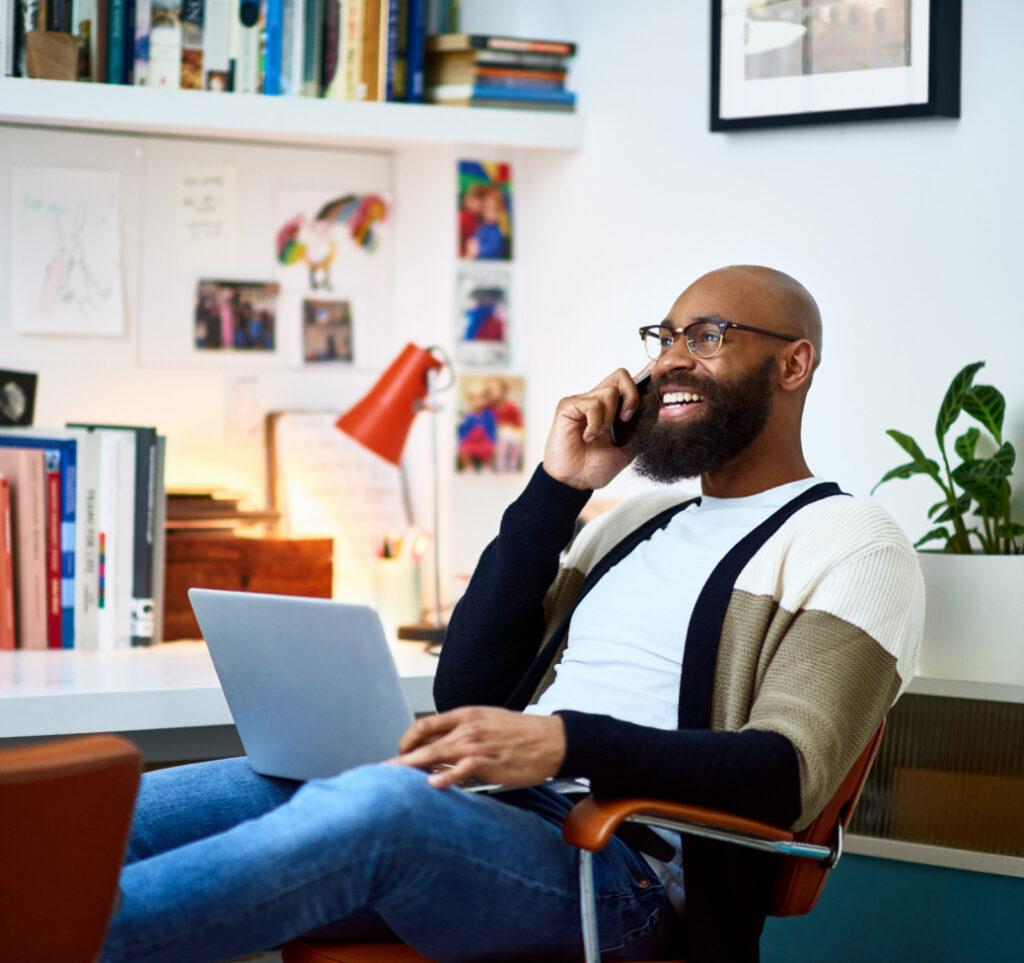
(65, 814)
(808, 857)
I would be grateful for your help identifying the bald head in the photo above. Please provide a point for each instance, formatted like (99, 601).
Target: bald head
(763, 297)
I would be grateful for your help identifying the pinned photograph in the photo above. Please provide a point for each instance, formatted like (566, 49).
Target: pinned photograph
(326, 330)
(482, 322)
(235, 315)
(485, 211)
(490, 428)
(17, 397)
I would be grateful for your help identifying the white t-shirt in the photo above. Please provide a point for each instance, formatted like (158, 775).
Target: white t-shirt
(625, 651)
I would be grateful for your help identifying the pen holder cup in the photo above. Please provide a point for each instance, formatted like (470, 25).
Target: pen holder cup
(397, 590)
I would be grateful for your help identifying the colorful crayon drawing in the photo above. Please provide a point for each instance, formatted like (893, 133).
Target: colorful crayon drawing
(491, 425)
(482, 337)
(311, 241)
(485, 211)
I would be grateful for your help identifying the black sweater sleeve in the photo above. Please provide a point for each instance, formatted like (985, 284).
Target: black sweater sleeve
(752, 773)
(497, 627)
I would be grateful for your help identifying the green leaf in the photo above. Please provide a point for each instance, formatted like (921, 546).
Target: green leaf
(987, 405)
(931, 536)
(1010, 530)
(957, 508)
(921, 464)
(954, 400)
(940, 504)
(965, 444)
(903, 471)
(985, 479)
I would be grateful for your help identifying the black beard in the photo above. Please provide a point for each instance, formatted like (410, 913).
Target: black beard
(733, 416)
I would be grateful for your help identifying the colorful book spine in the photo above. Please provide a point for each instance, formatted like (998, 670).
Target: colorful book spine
(245, 47)
(192, 44)
(396, 50)
(62, 452)
(7, 633)
(273, 50)
(217, 44)
(489, 92)
(117, 23)
(332, 78)
(26, 473)
(355, 89)
(521, 82)
(417, 50)
(53, 557)
(291, 48)
(143, 14)
(312, 47)
(164, 44)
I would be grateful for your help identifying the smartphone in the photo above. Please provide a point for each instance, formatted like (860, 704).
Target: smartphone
(622, 431)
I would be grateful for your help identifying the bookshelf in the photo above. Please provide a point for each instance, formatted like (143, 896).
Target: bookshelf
(300, 121)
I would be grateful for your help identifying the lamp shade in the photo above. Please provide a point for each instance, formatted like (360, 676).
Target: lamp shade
(382, 419)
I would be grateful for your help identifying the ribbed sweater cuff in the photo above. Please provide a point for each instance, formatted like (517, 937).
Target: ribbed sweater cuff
(591, 745)
(547, 503)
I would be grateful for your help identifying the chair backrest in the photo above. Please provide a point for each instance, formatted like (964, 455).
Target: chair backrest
(65, 814)
(800, 881)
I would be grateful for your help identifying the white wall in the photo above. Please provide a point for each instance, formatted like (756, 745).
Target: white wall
(906, 232)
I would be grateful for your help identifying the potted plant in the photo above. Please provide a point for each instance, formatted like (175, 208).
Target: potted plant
(974, 582)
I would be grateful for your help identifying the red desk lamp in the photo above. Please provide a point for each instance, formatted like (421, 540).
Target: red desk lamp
(381, 420)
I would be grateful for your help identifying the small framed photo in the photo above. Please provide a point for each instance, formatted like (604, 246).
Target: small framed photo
(235, 315)
(326, 330)
(485, 211)
(482, 321)
(490, 426)
(776, 63)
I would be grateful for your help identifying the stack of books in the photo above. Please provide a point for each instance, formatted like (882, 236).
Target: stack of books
(482, 71)
(338, 49)
(212, 512)
(82, 513)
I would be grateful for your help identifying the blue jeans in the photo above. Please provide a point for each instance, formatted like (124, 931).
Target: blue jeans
(223, 861)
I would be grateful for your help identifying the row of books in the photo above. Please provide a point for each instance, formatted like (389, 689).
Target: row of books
(340, 49)
(82, 513)
(483, 71)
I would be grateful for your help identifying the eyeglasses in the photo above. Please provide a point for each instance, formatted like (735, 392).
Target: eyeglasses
(703, 338)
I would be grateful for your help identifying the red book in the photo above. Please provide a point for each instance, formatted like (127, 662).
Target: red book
(53, 573)
(6, 568)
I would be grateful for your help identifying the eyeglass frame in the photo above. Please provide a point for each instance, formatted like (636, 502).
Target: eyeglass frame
(719, 323)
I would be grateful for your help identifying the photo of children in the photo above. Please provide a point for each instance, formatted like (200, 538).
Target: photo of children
(482, 336)
(235, 315)
(326, 331)
(485, 211)
(490, 424)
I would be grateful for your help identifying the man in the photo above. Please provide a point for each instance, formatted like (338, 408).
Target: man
(735, 650)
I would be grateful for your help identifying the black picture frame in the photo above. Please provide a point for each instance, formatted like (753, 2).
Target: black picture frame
(943, 79)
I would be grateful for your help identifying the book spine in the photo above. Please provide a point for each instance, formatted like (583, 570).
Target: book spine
(353, 48)
(390, 49)
(216, 44)
(312, 47)
(246, 46)
(116, 22)
(53, 559)
(273, 47)
(100, 42)
(417, 46)
(7, 13)
(6, 568)
(489, 92)
(331, 76)
(145, 523)
(164, 44)
(84, 20)
(140, 53)
(129, 43)
(56, 19)
(519, 83)
(30, 551)
(291, 48)
(87, 541)
(192, 44)
(159, 539)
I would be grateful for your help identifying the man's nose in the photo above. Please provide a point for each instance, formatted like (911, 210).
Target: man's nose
(676, 358)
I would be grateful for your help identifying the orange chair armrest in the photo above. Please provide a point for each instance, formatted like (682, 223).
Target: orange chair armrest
(592, 822)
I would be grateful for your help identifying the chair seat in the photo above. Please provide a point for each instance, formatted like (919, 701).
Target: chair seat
(311, 951)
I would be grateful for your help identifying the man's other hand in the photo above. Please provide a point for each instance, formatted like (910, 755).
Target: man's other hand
(495, 745)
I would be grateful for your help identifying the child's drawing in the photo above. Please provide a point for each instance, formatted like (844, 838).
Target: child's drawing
(66, 243)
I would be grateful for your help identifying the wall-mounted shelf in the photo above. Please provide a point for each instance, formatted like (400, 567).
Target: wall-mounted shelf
(278, 120)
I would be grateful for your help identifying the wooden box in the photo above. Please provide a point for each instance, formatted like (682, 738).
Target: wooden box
(279, 566)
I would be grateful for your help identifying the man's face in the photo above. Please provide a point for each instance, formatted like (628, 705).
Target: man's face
(736, 387)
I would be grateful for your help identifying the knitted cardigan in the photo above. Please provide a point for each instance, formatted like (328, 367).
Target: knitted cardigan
(801, 640)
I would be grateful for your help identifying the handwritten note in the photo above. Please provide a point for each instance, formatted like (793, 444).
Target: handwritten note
(206, 211)
(329, 485)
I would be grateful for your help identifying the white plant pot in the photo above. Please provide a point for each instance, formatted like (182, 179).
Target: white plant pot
(974, 617)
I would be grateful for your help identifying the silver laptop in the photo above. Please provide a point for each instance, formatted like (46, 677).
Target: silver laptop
(311, 683)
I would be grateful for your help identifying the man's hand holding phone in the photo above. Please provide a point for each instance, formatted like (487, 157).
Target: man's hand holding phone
(579, 450)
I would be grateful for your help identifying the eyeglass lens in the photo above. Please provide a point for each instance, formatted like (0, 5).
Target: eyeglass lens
(703, 340)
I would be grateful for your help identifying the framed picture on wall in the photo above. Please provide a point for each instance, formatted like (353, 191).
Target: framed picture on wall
(781, 62)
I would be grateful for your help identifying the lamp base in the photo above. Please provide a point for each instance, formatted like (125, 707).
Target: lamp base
(423, 632)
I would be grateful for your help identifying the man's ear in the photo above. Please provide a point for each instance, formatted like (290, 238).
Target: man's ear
(797, 365)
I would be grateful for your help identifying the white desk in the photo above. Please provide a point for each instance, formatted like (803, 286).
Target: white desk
(166, 698)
